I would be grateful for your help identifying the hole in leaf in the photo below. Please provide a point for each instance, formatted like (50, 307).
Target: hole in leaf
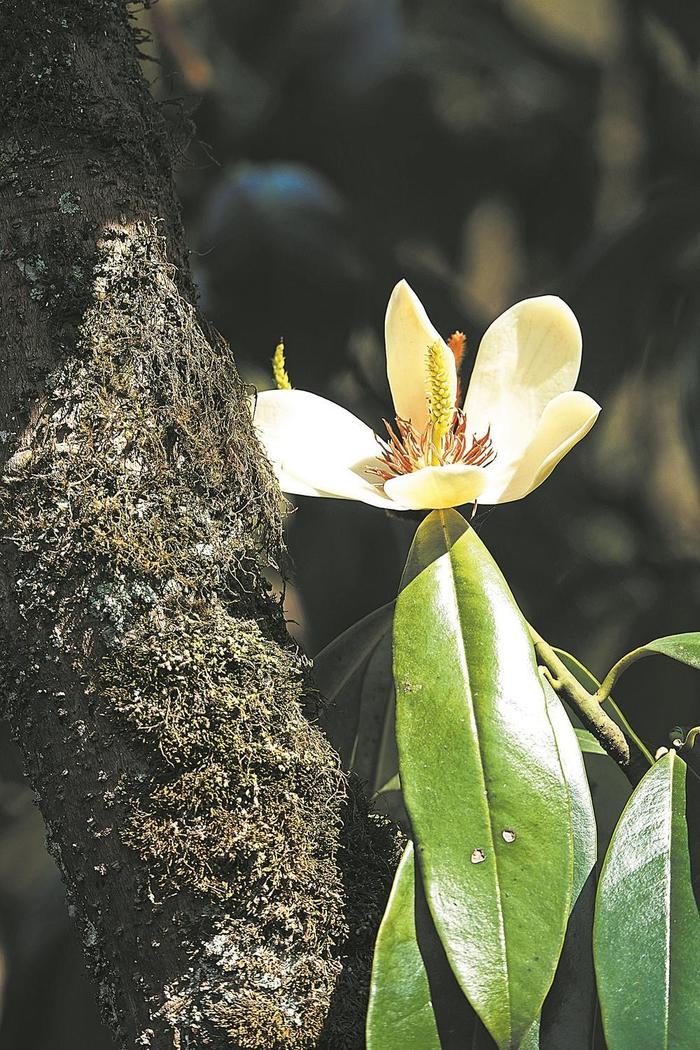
(478, 856)
(508, 835)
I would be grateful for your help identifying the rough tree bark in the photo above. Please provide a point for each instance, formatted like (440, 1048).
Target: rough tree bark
(227, 879)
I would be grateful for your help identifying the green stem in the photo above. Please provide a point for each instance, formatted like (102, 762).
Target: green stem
(585, 704)
(692, 736)
(608, 683)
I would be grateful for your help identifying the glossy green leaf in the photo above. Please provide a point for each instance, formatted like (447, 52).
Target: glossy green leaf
(400, 1014)
(647, 925)
(588, 743)
(413, 991)
(354, 674)
(481, 776)
(569, 1011)
(682, 647)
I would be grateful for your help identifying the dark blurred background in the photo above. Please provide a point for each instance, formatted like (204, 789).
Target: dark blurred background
(487, 150)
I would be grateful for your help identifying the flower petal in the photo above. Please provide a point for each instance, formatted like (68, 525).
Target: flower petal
(566, 419)
(434, 488)
(409, 333)
(318, 448)
(528, 356)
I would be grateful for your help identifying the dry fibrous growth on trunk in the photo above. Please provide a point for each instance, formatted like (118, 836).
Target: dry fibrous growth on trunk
(226, 878)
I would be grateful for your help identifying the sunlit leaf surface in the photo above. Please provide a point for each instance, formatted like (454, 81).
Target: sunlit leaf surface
(647, 925)
(481, 776)
(400, 1014)
(682, 647)
(568, 1014)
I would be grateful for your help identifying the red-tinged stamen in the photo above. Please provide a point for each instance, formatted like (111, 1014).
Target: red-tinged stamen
(406, 450)
(457, 343)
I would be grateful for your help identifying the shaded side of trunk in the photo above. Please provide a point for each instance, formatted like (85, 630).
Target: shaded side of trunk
(227, 881)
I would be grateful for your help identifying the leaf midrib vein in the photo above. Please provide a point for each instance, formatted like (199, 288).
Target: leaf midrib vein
(472, 715)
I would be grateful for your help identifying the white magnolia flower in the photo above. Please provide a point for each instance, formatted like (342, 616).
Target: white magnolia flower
(520, 415)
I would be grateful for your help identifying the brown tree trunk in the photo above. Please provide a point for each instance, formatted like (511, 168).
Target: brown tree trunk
(227, 881)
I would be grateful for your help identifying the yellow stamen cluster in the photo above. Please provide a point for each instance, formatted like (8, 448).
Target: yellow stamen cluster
(440, 406)
(279, 368)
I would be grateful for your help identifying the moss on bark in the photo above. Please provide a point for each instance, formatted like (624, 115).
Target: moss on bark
(227, 878)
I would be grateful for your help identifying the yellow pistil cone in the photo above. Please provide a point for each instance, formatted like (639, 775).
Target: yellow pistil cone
(440, 407)
(279, 368)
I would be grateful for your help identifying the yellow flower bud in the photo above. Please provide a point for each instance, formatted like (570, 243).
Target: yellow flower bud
(279, 368)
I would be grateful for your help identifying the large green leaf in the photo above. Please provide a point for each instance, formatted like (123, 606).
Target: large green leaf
(354, 674)
(400, 1014)
(415, 1000)
(481, 776)
(647, 926)
(682, 647)
(569, 1011)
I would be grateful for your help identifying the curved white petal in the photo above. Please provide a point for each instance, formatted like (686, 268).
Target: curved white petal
(318, 448)
(434, 488)
(565, 420)
(409, 333)
(528, 356)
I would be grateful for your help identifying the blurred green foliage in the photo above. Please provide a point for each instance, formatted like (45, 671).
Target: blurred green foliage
(487, 150)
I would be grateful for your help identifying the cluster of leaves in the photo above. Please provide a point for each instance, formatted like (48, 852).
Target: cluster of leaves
(498, 915)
